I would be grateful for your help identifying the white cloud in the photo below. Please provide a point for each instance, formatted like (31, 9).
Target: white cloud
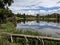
(18, 5)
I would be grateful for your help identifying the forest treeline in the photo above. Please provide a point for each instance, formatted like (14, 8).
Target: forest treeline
(48, 17)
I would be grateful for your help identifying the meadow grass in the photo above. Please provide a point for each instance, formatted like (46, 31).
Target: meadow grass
(10, 28)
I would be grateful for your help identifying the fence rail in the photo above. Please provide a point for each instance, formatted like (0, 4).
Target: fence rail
(41, 38)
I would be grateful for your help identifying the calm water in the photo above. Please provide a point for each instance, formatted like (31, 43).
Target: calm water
(42, 26)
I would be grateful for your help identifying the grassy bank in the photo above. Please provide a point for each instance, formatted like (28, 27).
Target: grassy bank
(10, 28)
(37, 19)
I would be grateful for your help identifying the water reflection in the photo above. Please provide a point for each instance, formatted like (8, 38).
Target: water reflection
(42, 26)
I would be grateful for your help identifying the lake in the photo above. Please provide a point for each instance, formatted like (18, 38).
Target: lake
(42, 26)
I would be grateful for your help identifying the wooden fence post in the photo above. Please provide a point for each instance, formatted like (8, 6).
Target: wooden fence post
(11, 39)
(26, 41)
(39, 40)
(42, 42)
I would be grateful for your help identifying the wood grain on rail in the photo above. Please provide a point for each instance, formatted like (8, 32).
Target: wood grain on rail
(34, 37)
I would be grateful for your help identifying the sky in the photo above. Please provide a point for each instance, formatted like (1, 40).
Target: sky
(33, 7)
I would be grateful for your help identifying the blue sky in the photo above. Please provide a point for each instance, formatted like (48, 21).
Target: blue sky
(36, 6)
